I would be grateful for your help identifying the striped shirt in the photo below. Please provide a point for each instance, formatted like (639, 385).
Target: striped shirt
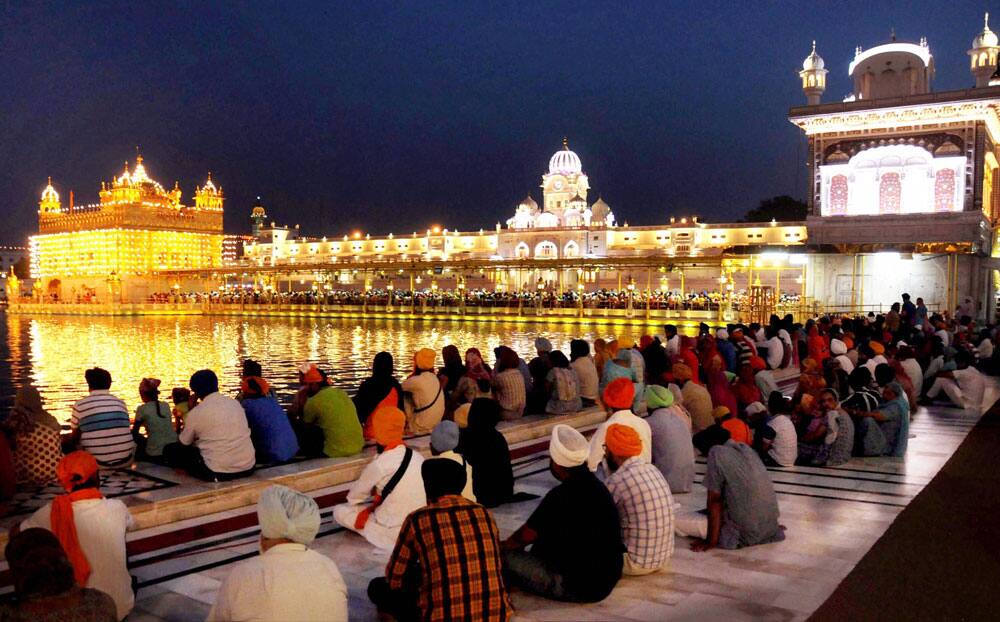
(103, 422)
(457, 547)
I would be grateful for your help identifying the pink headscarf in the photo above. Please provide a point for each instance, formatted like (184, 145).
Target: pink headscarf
(474, 366)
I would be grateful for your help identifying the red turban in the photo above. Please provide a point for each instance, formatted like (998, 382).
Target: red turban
(74, 469)
(619, 393)
(757, 363)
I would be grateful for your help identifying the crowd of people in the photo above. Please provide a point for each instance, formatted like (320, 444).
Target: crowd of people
(612, 512)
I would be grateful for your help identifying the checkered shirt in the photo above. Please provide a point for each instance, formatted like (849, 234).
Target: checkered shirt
(457, 546)
(646, 509)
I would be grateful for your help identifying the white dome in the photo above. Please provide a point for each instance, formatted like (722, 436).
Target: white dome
(813, 61)
(50, 194)
(565, 162)
(987, 38)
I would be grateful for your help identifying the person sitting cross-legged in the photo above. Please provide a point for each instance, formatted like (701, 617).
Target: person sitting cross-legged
(91, 530)
(444, 442)
(215, 443)
(44, 586)
(619, 396)
(645, 505)
(742, 506)
(329, 424)
(388, 488)
(288, 580)
(270, 430)
(574, 534)
(673, 452)
(487, 451)
(446, 564)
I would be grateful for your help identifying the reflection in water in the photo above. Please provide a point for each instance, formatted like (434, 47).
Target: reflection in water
(53, 351)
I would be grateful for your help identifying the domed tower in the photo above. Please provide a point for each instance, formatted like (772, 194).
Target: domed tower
(258, 216)
(600, 214)
(50, 200)
(208, 196)
(983, 55)
(813, 76)
(564, 181)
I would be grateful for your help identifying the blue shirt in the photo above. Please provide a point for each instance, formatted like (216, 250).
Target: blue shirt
(271, 432)
(728, 352)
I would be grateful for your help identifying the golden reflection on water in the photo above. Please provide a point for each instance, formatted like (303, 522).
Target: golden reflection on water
(54, 351)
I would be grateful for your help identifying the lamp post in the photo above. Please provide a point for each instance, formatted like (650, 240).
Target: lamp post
(630, 311)
(390, 288)
(541, 289)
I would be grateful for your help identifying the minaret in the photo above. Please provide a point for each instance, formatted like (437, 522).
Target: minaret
(813, 77)
(983, 55)
(50, 200)
(257, 218)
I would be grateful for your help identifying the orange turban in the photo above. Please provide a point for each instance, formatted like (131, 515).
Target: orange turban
(74, 469)
(623, 441)
(757, 363)
(848, 342)
(619, 393)
(682, 371)
(255, 385)
(877, 347)
(388, 424)
(424, 359)
(312, 375)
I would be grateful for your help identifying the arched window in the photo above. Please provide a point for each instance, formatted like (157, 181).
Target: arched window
(521, 251)
(546, 250)
(889, 194)
(838, 195)
(572, 249)
(944, 190)
(812, 80)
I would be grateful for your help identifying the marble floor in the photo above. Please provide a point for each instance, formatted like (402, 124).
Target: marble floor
(832, 515)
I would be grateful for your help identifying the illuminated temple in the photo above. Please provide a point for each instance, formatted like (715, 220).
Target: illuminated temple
(114, 248)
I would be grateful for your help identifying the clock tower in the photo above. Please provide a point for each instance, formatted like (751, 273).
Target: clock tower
(564, 182)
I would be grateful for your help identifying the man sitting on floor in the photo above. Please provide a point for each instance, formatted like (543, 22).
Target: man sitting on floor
(215, 443)
(330, 425)
(619, 396)
(964, 386)
(575, 534)
(645, 505)
(444, 441)
(673, 453)
(100, 422)
(288, 581)
(91, 530)
(447, 563)
(742, 506)
(389, 487)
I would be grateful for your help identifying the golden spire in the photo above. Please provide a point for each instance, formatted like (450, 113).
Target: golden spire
(565, 143)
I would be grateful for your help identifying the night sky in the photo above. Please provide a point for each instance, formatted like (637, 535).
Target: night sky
(394, 116)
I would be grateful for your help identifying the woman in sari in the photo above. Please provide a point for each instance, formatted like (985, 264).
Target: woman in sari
(378, 390)
(717, 383)
(35, 438)
(475, 383)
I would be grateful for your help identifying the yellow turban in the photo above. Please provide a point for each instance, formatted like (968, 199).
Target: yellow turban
(388, 424)
(424, 359)
(626, 343)
(623, 441)
(719, 412)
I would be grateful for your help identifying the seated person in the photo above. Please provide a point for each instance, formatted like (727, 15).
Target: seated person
(425, 399)
(739, 431)
(488, 454)
(270, 430)
(379, 389)
(742, 506)
(44, 585)
(964, 385)
(389, 487)
(288, 580)
(100, 422)
(886, 430)
(697, 401)
(775, 438)
(444, 441)
(155, 417)
(563, 386)
(829, 438)
(91, 530)
(575, 534)
(446, 563)
(329, 425)
(35, 435)
(673, 453)
(619, 399)
(645, 505)
(215, 443)
(181, 397)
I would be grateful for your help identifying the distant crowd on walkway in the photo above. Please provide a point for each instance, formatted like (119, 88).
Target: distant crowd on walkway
(747, 397)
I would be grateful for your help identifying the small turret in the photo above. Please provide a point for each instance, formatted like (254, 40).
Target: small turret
(983, 55)
(50, 200)
(813, 76)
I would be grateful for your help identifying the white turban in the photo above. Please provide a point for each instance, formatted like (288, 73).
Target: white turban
(285, 513)
(568, 448)
(755, 407)
(837, 347)
(722, 333)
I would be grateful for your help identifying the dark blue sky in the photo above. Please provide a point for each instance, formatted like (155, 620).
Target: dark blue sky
(392, 116)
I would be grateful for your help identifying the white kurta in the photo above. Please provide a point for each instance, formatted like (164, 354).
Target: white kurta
(100, 526)
(624, 417)
(288, 582)
(382, 527)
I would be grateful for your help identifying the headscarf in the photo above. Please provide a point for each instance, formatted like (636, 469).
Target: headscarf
(74, 469)
(312, 375)
(682, 372)
(423, 360)
(658, 397)
(645, 341)
(27, 412)
(543, 345)
(623, 356)
(622, 441)
(508, 359)
(444, 436)
(567, 447)
(475, 368)
(388, 424)
(601, 355)
(254, 386)
(453, 368)
(286, 513)
(619, 393)
(380, 389)
(719, 388)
